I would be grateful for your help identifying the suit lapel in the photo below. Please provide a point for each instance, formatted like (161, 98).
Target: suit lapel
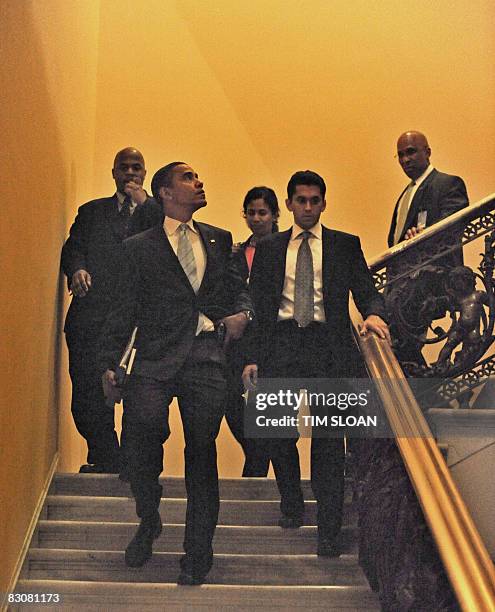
(393, 224)
(417, 203)
(167, 256)
(279, 261)
(211, 248)
(112, 214)
(328, 263)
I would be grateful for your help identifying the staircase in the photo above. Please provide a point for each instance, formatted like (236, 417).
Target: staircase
(78, 552)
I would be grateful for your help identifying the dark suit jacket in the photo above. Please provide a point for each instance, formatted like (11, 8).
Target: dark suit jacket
(94, 245)
(440, 195)
(155, 294)
(344, 271)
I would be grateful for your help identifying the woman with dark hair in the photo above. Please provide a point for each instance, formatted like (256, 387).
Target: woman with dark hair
(261, 211)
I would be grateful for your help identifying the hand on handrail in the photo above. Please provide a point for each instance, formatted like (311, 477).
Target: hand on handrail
(375, 324)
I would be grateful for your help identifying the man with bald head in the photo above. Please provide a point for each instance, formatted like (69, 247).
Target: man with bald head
(429, 197)
(89, 260)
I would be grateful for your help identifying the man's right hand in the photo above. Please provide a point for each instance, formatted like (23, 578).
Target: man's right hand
(80, 283)
(250, 376)
(136, 192)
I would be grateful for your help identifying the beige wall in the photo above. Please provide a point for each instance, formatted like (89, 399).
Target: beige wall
(247, 92)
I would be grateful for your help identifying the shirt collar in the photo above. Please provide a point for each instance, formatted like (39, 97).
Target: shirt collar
(171, 225)
(425, 174)
(315, 231)
(120, 201)
(121, 197)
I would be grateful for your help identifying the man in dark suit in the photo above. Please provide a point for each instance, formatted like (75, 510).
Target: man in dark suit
(181, 288)
(429, 197)
(300, 282)
(90, 261)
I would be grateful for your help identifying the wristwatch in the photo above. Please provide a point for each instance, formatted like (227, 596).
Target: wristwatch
(249, 314)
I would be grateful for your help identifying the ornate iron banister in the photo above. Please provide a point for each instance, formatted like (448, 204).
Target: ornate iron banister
(462, 551)
(433, 299)
(477, 219)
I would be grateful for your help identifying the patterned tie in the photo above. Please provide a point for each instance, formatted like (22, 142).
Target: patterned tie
(186, 257)
(124, 216)
(402, 212)
(304, 283)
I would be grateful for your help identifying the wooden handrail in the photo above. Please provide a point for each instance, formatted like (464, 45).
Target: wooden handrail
(466, 560)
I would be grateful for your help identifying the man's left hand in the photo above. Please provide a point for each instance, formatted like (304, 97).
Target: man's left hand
(411, 232)
(235, 325)
(136, 192)
(376, 324)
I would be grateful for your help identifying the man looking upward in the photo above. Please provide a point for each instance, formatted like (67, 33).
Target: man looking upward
(179, 286)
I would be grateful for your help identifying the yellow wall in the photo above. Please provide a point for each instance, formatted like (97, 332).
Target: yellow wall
(48, 76)
(247, 92)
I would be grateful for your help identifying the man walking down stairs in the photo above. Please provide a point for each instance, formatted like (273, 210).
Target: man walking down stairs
(78, 552)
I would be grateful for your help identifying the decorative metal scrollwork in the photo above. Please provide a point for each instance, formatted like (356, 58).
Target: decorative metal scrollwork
(429, 294)
(477, 227)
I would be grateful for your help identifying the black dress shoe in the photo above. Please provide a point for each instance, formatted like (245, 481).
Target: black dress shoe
(98, 468)
(140, 548)
(327, 547)
(290, 522)
(187, 579)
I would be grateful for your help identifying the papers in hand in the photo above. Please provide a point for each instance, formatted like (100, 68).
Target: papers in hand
(113, 394)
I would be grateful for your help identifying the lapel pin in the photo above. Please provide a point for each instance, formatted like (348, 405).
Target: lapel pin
(212, 240)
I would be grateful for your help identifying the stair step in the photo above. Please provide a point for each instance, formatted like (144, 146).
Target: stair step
(81, 596)
(120, 509)
(110, 485)
(231, 540)
(282, 570)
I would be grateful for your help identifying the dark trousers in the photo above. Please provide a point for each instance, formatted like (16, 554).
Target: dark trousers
(256, 451)
(306, 353)
(200, 389)
(94, 420)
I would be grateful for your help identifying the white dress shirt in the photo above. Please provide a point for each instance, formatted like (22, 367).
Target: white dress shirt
(286, 310)
(417, 184)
